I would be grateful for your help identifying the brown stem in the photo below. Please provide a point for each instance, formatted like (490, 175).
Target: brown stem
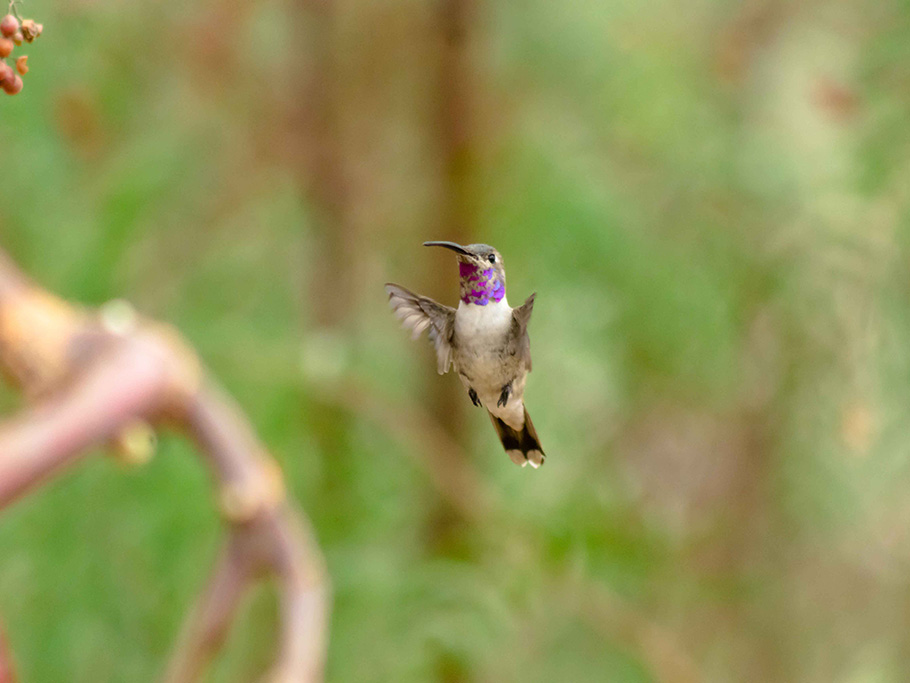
(270, 535)
(43, 439)
(95, 377)
(7, 673)
(304, 611)
(208, 625)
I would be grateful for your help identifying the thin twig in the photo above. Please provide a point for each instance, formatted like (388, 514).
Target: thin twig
(664, 655)
(207, 627)
(432, 448)
(7, 673)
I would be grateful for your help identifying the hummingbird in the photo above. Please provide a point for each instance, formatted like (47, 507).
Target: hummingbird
(485, 339)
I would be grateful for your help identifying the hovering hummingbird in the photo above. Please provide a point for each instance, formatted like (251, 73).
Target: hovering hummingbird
(485, 339)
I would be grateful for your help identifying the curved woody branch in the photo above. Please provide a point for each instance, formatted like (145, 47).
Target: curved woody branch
(108, 378)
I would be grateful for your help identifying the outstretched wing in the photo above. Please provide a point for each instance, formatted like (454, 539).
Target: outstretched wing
(519, 341)
(418, 313)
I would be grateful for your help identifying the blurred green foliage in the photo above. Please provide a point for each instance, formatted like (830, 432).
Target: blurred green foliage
(711, 200)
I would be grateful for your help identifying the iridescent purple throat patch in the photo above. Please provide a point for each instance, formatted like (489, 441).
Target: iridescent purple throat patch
(478, 286)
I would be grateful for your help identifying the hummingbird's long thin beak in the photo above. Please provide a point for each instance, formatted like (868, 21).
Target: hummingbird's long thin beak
(449, 245)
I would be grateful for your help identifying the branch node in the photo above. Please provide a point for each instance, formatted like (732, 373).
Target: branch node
(273, 481)
(135, 443)
(239, 504)
(186, 371)
(279, 677)
(35, 331)
(118, 317)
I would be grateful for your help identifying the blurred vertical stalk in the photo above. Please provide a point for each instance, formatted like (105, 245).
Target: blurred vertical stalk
(455, 136)
(456, 139)
(321, 168)
(457, 99)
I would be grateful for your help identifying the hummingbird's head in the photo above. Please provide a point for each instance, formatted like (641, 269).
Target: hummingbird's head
(483, 277)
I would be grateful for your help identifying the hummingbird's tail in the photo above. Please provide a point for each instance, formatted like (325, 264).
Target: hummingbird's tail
(522, 446)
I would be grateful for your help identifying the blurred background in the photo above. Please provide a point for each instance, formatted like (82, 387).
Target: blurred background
(710, 198)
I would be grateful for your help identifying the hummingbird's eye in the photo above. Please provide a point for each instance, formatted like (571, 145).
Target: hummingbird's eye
(492, 258)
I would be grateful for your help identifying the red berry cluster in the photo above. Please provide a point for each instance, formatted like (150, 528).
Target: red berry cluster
(13, 34)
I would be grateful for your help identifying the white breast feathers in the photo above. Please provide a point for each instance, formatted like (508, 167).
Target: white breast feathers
(482, 325)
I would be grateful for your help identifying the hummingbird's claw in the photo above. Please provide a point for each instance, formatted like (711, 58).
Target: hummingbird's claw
(474, 399)
(504, 396)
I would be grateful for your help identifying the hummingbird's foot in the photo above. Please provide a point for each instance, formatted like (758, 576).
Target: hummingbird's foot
(474, 399)
(504, 396)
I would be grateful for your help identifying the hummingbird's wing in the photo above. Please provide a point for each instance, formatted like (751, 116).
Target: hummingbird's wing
(519, 341)
(418, 313)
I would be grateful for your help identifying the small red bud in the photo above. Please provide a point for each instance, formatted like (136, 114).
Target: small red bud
(6, 47)
(6, 73)
(9, 25)
(21, 65)
(12, 86)
(18, 38)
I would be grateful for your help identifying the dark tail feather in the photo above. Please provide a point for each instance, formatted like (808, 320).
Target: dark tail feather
(523, 446)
